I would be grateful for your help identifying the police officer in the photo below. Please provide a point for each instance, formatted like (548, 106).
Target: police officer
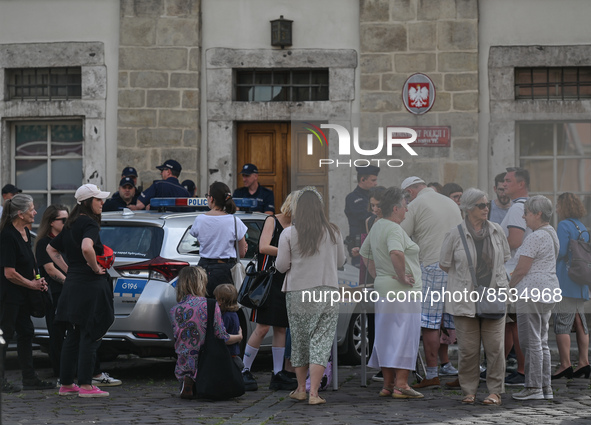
(252, 189)
(132, 173)
(168, 187)
(123, 198)
(357, 208)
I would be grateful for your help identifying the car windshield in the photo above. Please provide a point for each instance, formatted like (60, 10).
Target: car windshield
(133, 241)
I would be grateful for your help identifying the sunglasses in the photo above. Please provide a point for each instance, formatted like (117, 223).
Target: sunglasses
(482, 206)
(63, 220)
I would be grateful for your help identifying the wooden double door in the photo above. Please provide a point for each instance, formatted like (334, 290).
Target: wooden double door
(279, 150)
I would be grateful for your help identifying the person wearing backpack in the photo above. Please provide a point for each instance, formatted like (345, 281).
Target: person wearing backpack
(570, 310)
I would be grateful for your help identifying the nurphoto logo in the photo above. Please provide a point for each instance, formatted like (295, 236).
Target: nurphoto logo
(395, 136)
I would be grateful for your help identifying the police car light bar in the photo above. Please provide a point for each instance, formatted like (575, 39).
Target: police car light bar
(198, 202)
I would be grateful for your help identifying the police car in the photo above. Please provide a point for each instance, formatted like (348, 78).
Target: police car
(151, 247)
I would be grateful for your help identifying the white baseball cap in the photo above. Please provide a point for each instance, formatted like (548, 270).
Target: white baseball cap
(88, 191)
(409, 181)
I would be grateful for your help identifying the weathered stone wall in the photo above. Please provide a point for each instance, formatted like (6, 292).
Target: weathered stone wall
(440, 39)
(159, 60)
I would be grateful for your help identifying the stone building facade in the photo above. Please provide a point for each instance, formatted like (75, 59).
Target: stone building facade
(440, 39)
(159, 77)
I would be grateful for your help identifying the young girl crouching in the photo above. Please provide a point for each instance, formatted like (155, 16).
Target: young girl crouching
(189, 323)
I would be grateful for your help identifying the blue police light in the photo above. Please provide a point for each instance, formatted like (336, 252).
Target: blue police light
(198, 202)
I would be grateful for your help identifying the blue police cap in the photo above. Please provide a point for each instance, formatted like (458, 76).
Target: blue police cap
(126, 181)
(129, 171)
(370, 170)
(249, 169)
(170, 164)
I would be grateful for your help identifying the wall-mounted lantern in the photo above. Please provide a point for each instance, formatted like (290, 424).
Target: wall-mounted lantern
(281, 32)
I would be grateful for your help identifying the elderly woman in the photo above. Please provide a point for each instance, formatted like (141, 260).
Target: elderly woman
(393, 258)
(17, 278)
(537, 290)
(309, 253)
(489, 250)
(570, 310)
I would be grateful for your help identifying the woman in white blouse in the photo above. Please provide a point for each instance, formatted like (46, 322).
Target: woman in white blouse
(217, 231)
(537, 287)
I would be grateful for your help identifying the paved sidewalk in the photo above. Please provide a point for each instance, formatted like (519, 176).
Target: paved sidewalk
(149, 395)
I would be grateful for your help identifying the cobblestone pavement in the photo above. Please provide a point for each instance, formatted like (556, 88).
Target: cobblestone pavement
(149, 395)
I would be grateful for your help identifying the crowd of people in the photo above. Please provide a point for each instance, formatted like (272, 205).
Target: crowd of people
(414, 241)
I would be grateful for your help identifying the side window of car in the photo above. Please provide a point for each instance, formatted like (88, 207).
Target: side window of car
(189, 244)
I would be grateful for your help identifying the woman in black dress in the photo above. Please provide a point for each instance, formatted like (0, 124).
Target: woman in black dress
(52, 223)
(275, 312)
(86, 302)
(18, 272)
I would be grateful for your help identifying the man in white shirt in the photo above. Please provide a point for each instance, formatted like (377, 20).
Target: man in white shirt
(516, 187)
(430, 216)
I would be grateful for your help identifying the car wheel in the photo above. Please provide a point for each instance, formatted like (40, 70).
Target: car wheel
(353, 354)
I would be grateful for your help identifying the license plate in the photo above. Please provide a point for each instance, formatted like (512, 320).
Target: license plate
(132, 288)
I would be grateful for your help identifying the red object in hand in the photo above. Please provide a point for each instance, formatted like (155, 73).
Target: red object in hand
(107, 259)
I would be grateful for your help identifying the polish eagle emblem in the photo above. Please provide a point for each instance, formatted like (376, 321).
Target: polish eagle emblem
(418, 95)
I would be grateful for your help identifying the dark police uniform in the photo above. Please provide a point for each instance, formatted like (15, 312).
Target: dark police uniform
(357, 211)
(116, 203)
(265, 198)
(169, 188)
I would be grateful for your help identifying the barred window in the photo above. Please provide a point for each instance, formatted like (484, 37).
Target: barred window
(556, 83)
(44, 83)
(261, 85)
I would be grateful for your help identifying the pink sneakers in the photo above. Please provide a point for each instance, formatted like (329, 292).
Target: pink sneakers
(73, 390)
(95, 392)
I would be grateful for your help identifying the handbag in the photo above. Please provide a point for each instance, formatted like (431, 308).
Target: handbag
(486, 308)
(36, 301)
(218, 376)
(579, 266)
(237, 270)
(256, 286)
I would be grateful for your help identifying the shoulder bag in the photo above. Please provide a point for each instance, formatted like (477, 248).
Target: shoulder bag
(579, 266)
(218, 376)
(256, 286)
(486, 308)
(237, 270)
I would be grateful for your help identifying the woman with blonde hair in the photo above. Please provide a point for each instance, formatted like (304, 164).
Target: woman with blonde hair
(275, 311)
(189, 323)
(310, 252)
(570, 310)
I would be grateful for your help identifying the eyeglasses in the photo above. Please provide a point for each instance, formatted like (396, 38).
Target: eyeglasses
(482, 206)
(63, 219)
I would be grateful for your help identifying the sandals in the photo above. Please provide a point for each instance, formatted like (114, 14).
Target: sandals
(492, 401)
(406, 393)
(386, 392)
(301, 396)
(469, 399)
(316, 399)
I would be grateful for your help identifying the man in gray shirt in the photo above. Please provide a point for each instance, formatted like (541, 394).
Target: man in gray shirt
(499, 207)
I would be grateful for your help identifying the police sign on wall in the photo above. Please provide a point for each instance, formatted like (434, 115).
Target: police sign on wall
(418, 94)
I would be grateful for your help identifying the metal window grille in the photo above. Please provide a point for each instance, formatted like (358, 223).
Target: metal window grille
(44, 83)
(555, 83)
(277, 85)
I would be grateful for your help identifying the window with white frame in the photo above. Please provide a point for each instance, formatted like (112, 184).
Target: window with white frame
(558, 157)
(47, 161)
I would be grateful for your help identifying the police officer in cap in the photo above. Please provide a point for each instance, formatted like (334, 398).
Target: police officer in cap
(357, 208)
(168, 187)
(122, 198)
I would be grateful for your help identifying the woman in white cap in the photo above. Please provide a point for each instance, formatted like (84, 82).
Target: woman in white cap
(86, 303)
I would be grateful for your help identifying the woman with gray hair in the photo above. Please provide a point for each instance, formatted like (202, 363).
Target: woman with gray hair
(538, 289)
(18, 271)
(488, 250)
